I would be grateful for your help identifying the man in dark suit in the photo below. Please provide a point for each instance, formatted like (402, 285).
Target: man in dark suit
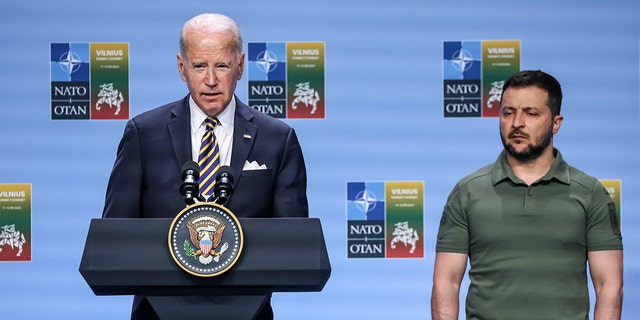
(263, 152)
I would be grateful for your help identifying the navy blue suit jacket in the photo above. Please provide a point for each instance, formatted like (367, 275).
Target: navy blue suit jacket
(145, 179)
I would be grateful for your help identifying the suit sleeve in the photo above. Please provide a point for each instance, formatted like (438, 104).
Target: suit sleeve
(290, 191)
(123, 197)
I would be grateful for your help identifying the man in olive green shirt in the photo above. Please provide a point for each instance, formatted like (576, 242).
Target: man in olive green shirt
(528, 224)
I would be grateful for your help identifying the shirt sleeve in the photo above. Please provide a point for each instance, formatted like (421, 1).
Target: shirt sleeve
(453, 233)
(603, 227)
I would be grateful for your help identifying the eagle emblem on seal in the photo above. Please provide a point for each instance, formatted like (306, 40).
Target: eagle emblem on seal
(205, 233)
(205, 239)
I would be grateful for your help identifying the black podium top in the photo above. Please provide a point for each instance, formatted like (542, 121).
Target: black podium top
(131, 256)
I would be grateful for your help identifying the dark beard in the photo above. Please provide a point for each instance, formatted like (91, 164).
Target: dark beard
(531, 152)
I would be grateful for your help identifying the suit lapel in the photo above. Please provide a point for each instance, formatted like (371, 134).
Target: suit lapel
(244, 136)
(180, 132)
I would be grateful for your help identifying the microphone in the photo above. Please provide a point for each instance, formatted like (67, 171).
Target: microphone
(223, 187)
(189, 188)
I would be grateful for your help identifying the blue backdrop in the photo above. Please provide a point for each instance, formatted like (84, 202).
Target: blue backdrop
(383, 92)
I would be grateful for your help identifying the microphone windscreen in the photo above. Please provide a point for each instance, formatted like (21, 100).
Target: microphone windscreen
(225, 169)
(225, 172)
(190, 165)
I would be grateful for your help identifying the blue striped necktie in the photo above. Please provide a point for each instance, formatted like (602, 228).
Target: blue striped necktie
(209, 158)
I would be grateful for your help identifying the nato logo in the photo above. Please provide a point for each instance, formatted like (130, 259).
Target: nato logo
(268, 78)
(366, 214)
(365, 200)
(462, 60)
(267, 61)
(473, 75)
(70, 80)
(70, 62)
(89, 81)
(462, 73)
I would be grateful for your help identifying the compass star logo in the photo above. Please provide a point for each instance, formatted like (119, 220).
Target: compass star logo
(266, 61)
(366, 200)
(70, 62)
(462, 60)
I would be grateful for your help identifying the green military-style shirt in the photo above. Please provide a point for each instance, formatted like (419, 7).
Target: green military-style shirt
(528, 245)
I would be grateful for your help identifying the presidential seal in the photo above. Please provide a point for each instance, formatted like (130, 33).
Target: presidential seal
(205, 239)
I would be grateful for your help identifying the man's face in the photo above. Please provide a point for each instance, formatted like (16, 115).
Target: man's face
(211, 67)
(526, 124)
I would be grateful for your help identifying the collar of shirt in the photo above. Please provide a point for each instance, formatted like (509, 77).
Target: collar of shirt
(223, 131)
(559, 170)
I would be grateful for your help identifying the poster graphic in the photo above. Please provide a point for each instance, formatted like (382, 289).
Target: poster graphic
(15, 222)
(474, 73)
(286, 79)
(385, 219)
(89, 81)
(614, 188)
(404, 219)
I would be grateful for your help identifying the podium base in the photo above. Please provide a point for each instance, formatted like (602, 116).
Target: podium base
(201, 307)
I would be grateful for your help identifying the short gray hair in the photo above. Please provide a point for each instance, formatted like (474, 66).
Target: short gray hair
(211, 22)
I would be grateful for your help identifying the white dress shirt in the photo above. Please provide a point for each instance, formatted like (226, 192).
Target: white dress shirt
(223, 131)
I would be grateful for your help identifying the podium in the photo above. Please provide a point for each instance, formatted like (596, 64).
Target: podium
(132, 257)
